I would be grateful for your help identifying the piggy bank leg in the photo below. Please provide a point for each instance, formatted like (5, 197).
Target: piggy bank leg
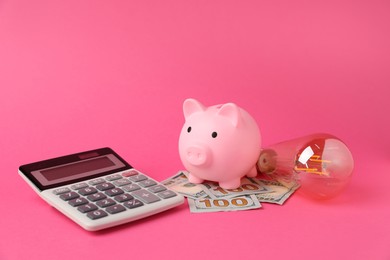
(230, 185)
(252, 172)
(194, 179)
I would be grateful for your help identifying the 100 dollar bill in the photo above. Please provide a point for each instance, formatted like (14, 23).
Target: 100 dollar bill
(208, 204)
(248, 186)
(180, 184)
(278, 194)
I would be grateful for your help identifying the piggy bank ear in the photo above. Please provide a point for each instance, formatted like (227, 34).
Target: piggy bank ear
(231, 112)
(191, 106)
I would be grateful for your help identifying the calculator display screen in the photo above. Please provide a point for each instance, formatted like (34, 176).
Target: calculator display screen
(80, 169)
(76, 168)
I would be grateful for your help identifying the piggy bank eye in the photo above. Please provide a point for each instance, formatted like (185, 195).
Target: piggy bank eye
(189, 129)
(214, 134)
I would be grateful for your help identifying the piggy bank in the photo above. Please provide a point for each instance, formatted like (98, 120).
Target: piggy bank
(219, 143)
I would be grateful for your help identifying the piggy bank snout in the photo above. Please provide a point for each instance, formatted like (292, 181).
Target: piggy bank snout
(197, 155)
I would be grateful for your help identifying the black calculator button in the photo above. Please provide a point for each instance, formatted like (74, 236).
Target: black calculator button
(131, 204)
(105, 186)
(87, 208)
(97, 214)
(96, 196)
(123, 197)
(115, 209)
(114, 192)
(69, 196)
(78, 202)
(105, 203)
(87, 191)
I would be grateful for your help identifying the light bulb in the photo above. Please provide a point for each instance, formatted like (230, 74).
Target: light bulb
(321, 163)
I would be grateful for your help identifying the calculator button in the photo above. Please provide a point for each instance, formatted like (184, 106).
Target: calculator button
(96, 196)
(147, 183)
(123, 197)
(97, 214)
(157, 188)
(113, 177)
(61, 191)
(96, 181)
(138, 177)
(115, 209)
(114, 192)
(145, 196)
(129, 173)
(105, 186)
(87, 191)
(78, 186)
(121, 182)
(69, 196)
(133, 204)
(105, 203)
(78, 202)
(87, 208)
(131, 187)
(166, 194)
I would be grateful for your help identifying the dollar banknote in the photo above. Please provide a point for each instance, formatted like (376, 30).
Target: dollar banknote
(248, 186)
(279, 191)
(179, 183)
(208, 204)
(210, 197)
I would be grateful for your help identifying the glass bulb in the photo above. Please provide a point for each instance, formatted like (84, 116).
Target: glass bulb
(321, 163)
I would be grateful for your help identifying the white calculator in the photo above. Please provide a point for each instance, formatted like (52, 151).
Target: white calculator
(98, 189)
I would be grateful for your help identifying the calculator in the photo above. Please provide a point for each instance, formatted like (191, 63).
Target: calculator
(98, 189)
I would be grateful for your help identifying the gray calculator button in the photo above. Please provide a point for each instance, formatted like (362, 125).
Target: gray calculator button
(97, 214)
(78, 186)
(166, 194)
(147, 183)
(157, 188)
(61, 191)
(138, 177)
(96, 196)
(123, 197)
(105, 203)
(69, 196)
(87, 191)
(114, 192)
(105, 186)
(131, 187)
(145, 196)
(87, 208)
(78, 202)
(133, 204)
(115, 209)
(96, 181)
(113, 177)
(121, 182)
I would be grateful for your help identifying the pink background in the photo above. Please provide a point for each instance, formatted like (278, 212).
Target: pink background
(79, 75)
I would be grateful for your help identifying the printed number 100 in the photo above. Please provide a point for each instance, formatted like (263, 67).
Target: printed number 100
(222, 203)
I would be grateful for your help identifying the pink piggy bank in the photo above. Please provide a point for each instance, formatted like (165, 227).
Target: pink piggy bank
(219, 143)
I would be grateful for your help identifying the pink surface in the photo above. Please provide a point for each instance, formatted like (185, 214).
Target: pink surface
(78, 75)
